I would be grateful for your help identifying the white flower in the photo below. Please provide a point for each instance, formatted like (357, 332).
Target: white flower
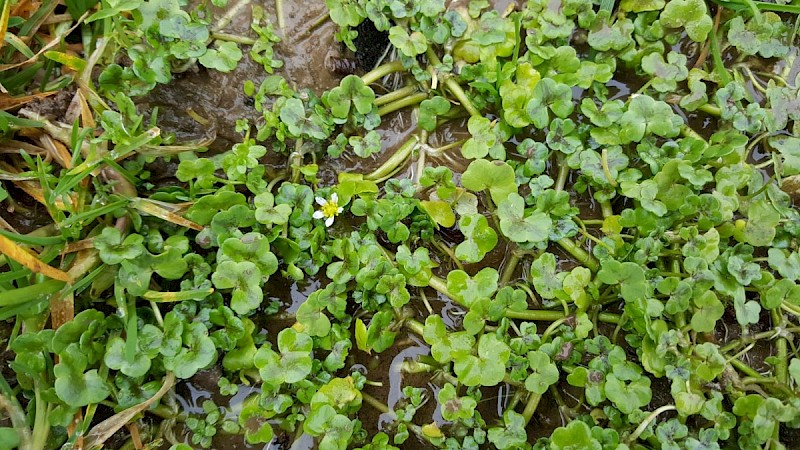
(328, 210)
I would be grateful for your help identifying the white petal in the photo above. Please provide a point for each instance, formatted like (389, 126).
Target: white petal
(339, 211)
(329, 221)
(334, 198)
(318, 215)
(321, 201)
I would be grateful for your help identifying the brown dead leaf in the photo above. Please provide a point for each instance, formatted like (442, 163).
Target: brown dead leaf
(8, 102)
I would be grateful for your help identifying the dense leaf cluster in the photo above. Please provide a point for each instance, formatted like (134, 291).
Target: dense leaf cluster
(620, 221)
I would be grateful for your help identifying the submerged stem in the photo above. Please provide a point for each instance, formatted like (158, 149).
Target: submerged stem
(453, 86)
(390, 165)
(279, 13)
(233, 38)
(381, 71)
(402, 103)
(225, 20)
(395, 95)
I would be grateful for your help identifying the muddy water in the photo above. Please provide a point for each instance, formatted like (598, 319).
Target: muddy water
(218, 97)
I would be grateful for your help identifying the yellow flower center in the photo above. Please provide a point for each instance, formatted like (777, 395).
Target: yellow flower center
(330, 209)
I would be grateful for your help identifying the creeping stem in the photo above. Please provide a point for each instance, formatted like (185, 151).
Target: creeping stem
(580, 254)
(279, 13)
(568, 244)
(381, 71)
(781, 365)
(549, 316)
(530, 407)
(383, 409)
(414, 326)
(402, 103)
(395, 95)
(510, 267)
(454, 87)
(391, 164)
(440, 285)
(650, 418)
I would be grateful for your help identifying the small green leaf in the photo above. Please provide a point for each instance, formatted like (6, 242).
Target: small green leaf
(224, 58)
(410, 45)
(692, 15)
(351, 92)
(430, 109)
(498, 177)
(519, 227)
(544, 372)
(479, 238)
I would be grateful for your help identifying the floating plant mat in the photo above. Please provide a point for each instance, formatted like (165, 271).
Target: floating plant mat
(379, 224)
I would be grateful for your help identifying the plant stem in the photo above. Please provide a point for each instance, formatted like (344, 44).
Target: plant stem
(510, 267)
(454, 87)
(531, 315)
(606, 169)
(546, 315)
(687, 131)
(710, 109)
(383, 409)
(680, 318)
(756, 337)
(441, 286)
(414, 326)
(414, 366)
(440, 150)
(377, 404)
(608, 211)
(225, 20)
(781, 365)
(391, 164)
(530, 407)
(395, 95)
(447, 251)
(402, 103)
(745, 369)
(580, 254)
(643, 426)
(563, 173)
(279, 13)
(719, 65)
(41, 424)
(233, 38)
(381, 71)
